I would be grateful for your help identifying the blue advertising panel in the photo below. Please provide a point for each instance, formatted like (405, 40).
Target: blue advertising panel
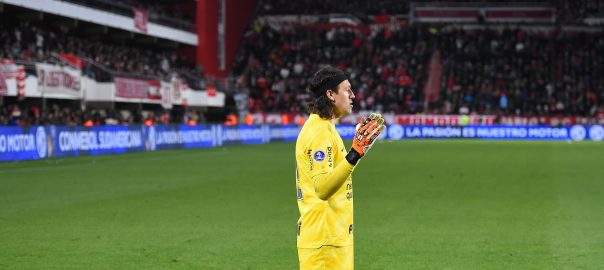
(36, 142)
(346, 131)
(576, 133)
(243, 134)
(98, 140)
(284, 133)
(179, 136)
(17, 143)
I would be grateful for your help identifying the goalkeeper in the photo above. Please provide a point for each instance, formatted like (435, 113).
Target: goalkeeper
(323, 173)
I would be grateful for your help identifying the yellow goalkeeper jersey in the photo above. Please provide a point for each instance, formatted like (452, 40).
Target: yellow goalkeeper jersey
(319, 149)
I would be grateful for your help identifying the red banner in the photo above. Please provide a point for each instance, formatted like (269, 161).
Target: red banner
(72, 59)
(130, 88)
(153, 91)
(547, 120)
(446, 13)
(8, 70)
(454, 120)
(166, 94)
(490, 14)
(381, 19)
(21, 81)
(3, 87)
(545, 14)
(211, 91)
(444, 120)
(140, 19)
(57, 79)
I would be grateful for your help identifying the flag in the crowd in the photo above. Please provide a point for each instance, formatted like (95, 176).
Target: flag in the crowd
(140, 19)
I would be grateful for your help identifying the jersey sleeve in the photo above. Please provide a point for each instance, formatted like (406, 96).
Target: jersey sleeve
(327, 177)
(320, 153)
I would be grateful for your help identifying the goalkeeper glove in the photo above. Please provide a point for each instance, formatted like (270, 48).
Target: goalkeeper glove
(367, 132)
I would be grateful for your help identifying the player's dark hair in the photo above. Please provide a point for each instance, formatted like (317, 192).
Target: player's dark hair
(319, 103)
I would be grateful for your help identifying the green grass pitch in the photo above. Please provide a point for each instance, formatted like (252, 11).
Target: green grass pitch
(418, 205)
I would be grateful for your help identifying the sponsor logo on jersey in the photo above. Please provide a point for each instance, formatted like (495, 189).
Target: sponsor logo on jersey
(319, 156)
(330, 156)
(310, 162)
(349, 193)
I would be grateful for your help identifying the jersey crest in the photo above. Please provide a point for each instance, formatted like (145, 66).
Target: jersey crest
(319, 156)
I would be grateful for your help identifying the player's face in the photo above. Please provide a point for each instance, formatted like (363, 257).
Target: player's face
(342, 99)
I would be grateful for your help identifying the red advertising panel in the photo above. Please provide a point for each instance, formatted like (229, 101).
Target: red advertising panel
(130, 88)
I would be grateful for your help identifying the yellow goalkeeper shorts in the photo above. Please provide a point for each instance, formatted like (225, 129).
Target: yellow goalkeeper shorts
(326, 258)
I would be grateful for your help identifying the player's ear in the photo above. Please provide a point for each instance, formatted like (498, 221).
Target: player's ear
(330, 95)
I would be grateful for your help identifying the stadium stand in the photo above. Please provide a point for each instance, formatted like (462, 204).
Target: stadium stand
(31, 43)
(520, 69)
(498, 69)
(522, 73)
(486, 71)
(277, 73)
(101, 57)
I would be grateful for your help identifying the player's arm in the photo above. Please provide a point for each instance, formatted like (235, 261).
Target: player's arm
(328, 184)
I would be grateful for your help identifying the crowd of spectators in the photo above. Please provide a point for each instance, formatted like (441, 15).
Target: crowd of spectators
(486, 71)
(34, 43)
(14, 115)
(483, 71)
(516, 72)
(276, 64)
(510, 72)
(56, 114)
(29, 43)
(70, 115)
